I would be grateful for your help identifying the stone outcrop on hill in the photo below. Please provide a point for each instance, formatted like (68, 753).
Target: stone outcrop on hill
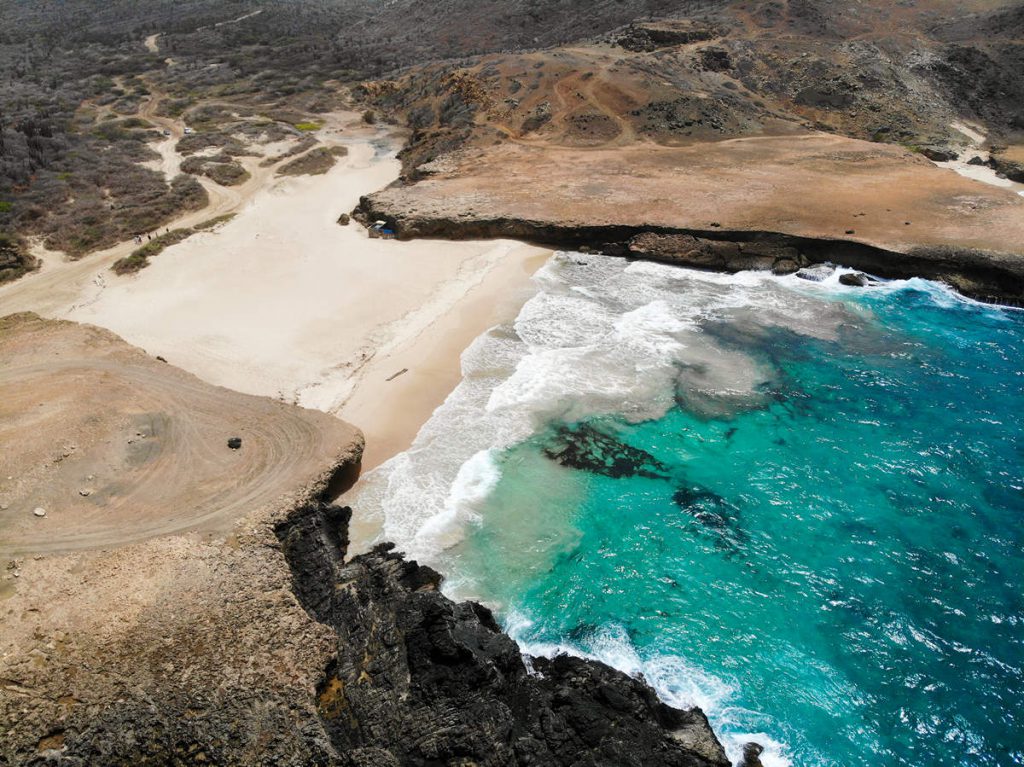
(272, 648)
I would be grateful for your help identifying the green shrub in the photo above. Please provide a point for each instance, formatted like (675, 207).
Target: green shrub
(307, 126)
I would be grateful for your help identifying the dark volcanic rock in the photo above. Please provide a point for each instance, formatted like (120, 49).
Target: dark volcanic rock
(854, 279)
(751, 756)
(939, 153)
(650, 36)
(817, 272)
(1012, 170)
(235, 443)
(715, 60)
(420, 680)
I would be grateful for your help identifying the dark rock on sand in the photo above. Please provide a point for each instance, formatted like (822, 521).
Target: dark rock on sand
(1008, 168)
(235, 443)
(420, 680)
(939, 153)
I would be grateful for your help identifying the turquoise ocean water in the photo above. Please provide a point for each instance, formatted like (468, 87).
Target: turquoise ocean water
(797, 505)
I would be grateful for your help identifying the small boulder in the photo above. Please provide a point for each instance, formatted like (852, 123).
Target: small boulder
(235, 443)
(939, 153)
(343, 219)
(751, 756)
(39, 511)
(977, 160)
(785, 266)
(85, 492)
(816, 272)
(854, 279)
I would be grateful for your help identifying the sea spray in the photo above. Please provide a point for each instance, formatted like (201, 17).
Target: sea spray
(794, 504)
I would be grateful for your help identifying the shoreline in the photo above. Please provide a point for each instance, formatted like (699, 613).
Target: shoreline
(284, 302)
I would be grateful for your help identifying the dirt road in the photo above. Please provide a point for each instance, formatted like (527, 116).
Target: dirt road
(116, 446)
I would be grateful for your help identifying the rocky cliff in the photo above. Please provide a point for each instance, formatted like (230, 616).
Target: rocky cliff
(272, 648)
(421, 680)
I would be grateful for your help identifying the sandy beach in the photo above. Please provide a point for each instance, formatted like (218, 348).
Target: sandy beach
(283, 301)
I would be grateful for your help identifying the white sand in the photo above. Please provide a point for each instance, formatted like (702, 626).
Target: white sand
(982, 173)
(284, 302)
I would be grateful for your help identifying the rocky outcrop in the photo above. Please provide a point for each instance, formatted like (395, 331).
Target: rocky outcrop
(272, 648)
(1012, 169)
(984, 275)
(650, 36)
(421, 680)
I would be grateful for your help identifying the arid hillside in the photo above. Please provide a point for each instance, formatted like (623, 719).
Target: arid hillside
(784, 119)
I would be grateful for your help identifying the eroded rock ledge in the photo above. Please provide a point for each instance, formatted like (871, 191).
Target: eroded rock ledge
(984, 275)
(271, 648)
(421, 680)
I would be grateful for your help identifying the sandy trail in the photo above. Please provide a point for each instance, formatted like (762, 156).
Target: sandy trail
(982, 173)
(282, 301)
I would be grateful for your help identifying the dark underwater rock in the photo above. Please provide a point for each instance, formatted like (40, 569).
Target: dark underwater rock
(587, 448)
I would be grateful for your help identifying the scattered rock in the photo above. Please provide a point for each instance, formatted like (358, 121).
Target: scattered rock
(855, 279)
(816, 272)
(160, 359)
(785, 266)
(939, 153)
(39, 511)
(85, 492)
(977, 160)
(4, 506)
(851, 231)
(751, 756)
(235, 443)
(343, 219)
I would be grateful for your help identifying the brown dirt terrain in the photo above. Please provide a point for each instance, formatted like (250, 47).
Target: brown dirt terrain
(816, 185)
(794, 119)
(117, 446)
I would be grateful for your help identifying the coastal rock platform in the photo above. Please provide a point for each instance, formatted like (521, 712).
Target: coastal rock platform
(786, 200)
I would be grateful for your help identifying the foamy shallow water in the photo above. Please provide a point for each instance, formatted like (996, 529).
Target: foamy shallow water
(833, 464)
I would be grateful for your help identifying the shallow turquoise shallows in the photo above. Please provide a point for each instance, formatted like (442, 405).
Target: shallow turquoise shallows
(830, 563)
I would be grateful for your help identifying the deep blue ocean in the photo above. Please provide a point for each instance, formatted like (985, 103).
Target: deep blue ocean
(798, 505)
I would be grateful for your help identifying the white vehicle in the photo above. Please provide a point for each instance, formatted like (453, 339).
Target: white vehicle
(188, 131)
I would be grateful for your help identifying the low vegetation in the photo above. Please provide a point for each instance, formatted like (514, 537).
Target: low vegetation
(316, 162)
(15, 260)
(220, 168)
(139, 258)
